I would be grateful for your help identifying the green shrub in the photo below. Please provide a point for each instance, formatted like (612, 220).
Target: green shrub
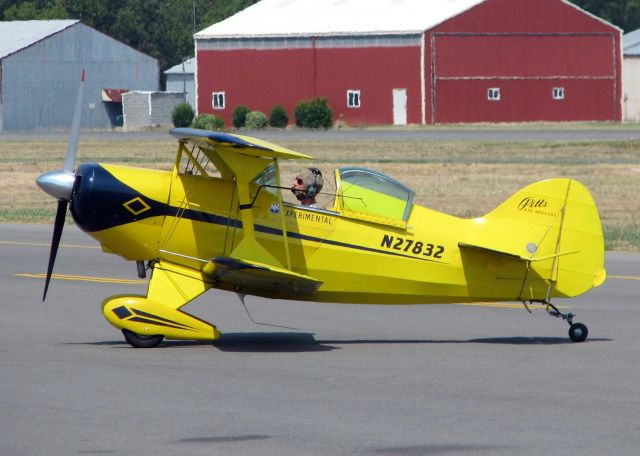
(256, 120)
(182, 115)
(315, 113)
(208, 122)
(240, 116)
(621, 237)
(278, 117)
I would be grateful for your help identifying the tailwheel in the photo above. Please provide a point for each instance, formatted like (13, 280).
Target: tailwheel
(141, 341)
(578, 332)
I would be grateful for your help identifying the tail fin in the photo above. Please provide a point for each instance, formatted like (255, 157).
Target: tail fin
(553, 225)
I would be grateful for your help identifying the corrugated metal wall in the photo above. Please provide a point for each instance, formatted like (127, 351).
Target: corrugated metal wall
(183, 83)
(529, 51)
(256, 78)
(162, 103)
(631, 86)
(1, 86)
(136, 108)
(261, 78)
(149, 109)
(525, 49)
(41, 81)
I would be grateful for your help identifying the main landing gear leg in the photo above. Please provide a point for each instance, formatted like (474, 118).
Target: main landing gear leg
(577, 331)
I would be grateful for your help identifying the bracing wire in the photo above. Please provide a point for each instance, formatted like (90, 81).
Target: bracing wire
(241, 296)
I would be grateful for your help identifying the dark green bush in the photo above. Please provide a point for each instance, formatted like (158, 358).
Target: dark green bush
(256, 120)
(208, 122)
(315, 113)
(240, 116)
(182, 115)
(278, 117)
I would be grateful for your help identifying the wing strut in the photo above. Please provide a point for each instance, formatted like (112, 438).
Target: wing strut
(245, 168)
(285, 240)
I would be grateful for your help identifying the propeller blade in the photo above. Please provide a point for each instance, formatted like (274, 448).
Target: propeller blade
(55, 242)
(74, 132)
(59, 184)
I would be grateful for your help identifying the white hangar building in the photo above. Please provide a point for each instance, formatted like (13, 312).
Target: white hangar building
(631, 76)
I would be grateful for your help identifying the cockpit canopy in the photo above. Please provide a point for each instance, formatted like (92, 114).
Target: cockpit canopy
(371, 193)
(361, 193)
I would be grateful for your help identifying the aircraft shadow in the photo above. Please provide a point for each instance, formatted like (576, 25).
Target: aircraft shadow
(306, 342)
(295, 342)
(493, 340)
(279, 342)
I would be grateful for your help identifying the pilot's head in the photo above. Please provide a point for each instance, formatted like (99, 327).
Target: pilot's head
(307, 185)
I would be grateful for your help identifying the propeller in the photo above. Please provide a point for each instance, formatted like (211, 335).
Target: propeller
(59, 183)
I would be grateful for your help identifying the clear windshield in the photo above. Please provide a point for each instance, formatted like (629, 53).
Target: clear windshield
(370, 192)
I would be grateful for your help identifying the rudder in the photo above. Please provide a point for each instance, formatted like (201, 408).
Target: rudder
(554, 225)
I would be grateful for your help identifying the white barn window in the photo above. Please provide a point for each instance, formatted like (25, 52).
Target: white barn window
(493, 94)
(218, 101)
(353, 98)
(558, 93)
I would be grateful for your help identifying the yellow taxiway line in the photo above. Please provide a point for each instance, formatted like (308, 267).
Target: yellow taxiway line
(78, 278)
(42, 244)
(619, 277)
(502, 305)
(84, 278)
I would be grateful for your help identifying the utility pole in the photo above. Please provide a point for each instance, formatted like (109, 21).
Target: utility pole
(193, 2)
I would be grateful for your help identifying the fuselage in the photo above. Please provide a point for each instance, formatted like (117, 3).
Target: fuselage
(150, 215)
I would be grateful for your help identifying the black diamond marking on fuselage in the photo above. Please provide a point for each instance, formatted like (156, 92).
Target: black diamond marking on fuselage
(136, 206)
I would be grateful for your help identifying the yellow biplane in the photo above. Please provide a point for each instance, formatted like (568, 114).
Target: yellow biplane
(218, 220)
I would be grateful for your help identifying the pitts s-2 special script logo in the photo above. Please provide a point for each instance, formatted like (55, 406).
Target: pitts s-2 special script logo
(536, 205)
(531, 203)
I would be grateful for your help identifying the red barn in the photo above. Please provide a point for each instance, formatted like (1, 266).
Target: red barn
(414, 61)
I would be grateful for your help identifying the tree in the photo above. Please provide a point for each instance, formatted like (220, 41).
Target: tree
(22, 11)
(162, 29)
(623, 13)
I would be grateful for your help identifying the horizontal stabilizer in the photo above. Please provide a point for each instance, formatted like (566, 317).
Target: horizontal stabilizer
(251, 275)
(533, 257)
(488, 250)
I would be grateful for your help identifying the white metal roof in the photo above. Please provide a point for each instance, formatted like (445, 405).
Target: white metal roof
(186, 67)
(330, 17)
(631, 43)
(16, 35)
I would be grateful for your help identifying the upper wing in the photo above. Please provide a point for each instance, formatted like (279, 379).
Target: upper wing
(216, 140)
(241, 159)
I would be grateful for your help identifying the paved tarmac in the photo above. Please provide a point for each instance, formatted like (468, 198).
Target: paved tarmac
(350, 380)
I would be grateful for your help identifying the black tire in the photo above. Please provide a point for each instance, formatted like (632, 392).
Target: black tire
(578, 332)
(140, 341)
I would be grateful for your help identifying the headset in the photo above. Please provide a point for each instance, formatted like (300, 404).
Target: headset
(312, 188)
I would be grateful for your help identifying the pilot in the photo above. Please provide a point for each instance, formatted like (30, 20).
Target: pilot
(307, 185)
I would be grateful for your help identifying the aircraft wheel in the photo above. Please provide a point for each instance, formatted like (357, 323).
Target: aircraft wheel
(578, 332)
(140, 341)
